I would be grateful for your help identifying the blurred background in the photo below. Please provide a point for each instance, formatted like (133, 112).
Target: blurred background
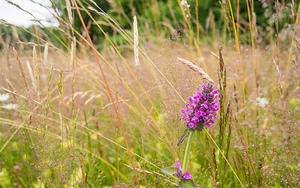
(207, 20)
(59, 113)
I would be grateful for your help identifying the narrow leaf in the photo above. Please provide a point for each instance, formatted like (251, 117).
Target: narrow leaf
(5, 179)
(187, 184)
(170, 171)
(183, 136)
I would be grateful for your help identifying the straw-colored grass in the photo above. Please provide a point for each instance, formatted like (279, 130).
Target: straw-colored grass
(81, 126)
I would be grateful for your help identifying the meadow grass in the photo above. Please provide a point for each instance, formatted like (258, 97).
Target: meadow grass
(74, 127)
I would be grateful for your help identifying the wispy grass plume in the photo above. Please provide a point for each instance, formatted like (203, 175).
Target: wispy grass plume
(136, 41)
(197, 69)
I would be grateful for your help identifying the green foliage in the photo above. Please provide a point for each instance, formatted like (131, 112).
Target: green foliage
(164, 17)
(170, 171)
(18, 160)
(4, 179)
(187, 184)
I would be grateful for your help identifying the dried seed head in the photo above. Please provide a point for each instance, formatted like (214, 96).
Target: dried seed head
(194, 67)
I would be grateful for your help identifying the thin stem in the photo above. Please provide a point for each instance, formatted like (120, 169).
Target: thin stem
(108, 90)
(223, 155)
(187, 150)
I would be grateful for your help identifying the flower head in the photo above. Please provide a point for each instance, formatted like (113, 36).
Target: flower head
(4, 97)
(262, 102)
(186, 175)
(202, 107)
(10, 106)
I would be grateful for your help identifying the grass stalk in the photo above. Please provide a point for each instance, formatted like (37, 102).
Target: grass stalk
(291, 46)
(241, 71)
(31, 75)
(187, 151)
(45, 53)
(136, 42)
(20, 68)
(108, 89)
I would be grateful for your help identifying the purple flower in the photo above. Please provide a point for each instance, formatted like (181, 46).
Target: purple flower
(148, 45)
(202, 108)
(185, 176)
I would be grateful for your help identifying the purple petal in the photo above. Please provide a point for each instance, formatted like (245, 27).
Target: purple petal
(192, 125)
(187, 175)
(177, 164)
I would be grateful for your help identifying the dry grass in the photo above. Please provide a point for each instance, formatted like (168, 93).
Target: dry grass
(262, 142)
(65, 131)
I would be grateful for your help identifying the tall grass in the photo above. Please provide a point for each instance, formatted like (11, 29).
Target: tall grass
(81, 126)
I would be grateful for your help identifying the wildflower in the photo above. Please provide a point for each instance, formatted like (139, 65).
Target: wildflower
(10, 106)
(94, 136)
(148, 45)
(294, 101)
(186, 175)
(202, 108)
(262, 102)
(185, 4)
(4, 97)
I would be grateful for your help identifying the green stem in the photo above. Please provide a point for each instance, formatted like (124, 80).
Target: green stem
(187, 151)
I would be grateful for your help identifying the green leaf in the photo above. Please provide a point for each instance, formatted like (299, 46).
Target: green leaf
(187, 184)
(4, 179)
(170, 171)
(183, 136)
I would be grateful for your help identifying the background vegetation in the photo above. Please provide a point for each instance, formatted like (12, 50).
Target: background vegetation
(207, 19)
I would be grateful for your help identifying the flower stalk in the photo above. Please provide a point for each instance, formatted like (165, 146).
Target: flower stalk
(187, 151)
